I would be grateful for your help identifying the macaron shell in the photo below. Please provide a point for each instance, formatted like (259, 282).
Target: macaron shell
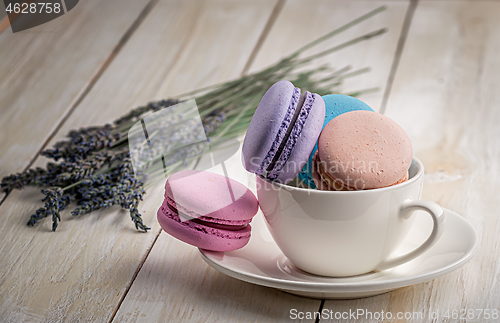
(365, 148)
(318, 179)
(335, 105)
(403, 179)
(268, 126)
(201, 236)
(306, 132)
(202, 193)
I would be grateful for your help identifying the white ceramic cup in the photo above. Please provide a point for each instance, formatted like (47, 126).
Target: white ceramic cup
(347, 233)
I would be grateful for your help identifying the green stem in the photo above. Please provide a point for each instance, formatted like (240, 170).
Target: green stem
(369, 90)
(343, 45)
(339, 30)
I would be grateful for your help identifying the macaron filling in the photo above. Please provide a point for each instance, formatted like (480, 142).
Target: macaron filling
(231, 225)
(225, 234)
(292, 135)
(281, 134)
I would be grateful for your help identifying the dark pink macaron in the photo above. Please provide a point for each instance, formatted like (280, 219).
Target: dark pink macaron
(207, 210)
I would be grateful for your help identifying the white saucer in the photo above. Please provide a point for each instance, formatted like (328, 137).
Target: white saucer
(261, 262)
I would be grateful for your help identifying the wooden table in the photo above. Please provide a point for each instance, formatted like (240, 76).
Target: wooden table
(437, 69)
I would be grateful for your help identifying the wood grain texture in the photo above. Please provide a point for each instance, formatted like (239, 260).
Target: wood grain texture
(303, 21)
(80, 272)
(44, 69)
(446, 97)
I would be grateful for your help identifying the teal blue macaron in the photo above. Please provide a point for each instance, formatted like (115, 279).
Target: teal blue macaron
(335, 105)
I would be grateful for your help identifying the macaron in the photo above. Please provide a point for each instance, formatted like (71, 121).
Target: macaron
(283, 132)
(335, 105)
(361, 150)
(207, 210)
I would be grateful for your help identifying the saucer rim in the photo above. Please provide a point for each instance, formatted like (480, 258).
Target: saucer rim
(364, 286)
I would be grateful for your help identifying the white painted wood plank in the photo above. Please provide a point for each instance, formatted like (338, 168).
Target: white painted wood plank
(445, 96)
(303, 21)
(80, 272)
(43, 70)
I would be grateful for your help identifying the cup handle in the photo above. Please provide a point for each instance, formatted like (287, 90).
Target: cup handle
(405, 212)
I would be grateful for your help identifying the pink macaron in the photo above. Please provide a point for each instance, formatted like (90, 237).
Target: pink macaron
(361, 150)
(207, 210)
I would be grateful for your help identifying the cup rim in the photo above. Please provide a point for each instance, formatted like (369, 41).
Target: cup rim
(410, 181)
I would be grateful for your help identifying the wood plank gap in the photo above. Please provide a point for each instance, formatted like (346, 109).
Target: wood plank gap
(399, 50)
(318, 318)
(86, 90)
(272, 19)
(64, 6)
(134, 276)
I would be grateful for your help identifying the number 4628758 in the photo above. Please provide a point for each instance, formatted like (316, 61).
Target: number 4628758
(463, 314)
(41, 7)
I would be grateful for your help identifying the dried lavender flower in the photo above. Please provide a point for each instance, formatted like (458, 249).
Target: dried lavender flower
(55, 201)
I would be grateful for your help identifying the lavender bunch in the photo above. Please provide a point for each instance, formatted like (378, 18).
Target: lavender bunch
(95, 171)
(93, 166)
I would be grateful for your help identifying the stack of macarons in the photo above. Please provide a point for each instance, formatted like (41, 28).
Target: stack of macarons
(334, 142)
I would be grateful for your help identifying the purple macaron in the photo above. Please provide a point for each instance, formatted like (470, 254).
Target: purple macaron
(207, 210)
(283, 132)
